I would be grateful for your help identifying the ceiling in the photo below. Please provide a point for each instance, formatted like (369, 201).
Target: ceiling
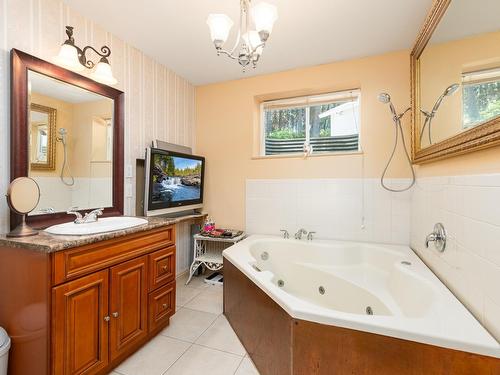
(464, 18)
(307, 32)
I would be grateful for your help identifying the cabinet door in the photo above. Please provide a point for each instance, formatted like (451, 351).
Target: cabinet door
(128, 305)
(80, 325)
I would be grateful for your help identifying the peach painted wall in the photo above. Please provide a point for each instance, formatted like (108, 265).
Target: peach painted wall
(227, 128)
(443, 64)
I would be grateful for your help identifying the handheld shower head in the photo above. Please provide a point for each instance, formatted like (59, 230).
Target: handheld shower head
(62, 135)
(384, 98)
(450, 90)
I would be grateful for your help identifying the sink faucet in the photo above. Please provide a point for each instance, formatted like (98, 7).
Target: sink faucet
(300, 232)
(89, 217)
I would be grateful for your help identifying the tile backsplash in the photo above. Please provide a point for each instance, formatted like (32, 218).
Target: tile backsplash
(348, 209)
(469, 208)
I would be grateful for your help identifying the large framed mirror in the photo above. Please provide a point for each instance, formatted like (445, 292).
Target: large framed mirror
(455, 70)
(66, 134)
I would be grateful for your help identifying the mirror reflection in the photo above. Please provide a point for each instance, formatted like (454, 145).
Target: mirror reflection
(459, 71)
(70, 145)
(42, 142)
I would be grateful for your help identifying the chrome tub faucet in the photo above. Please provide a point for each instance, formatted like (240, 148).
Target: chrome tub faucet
(286, 235)
(438, 236)
(300, 232)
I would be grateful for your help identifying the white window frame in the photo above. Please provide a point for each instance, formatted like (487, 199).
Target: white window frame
(309, 100)
(477, 77)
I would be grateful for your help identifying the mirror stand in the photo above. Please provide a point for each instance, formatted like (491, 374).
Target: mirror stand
(22, 230)
(23, 196)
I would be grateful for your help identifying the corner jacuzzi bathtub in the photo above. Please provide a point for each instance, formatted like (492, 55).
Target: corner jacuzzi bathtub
(382, 289)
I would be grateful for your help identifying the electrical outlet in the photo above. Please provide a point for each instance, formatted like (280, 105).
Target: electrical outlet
(128, 171)
(128, 190)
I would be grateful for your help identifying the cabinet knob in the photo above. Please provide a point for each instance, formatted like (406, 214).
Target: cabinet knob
(107, 318)
(115, 314)
(165, 267)
(164, 305)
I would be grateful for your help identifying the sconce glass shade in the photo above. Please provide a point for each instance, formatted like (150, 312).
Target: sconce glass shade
(253, 41)
(103, 73)
(68, 58)
(219, 25)
(264, 16)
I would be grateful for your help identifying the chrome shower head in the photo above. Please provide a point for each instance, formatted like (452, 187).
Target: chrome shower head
(384, 98)
(63, 133)
(450, 90)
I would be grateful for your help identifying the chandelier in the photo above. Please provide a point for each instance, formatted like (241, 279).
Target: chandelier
(250, 41)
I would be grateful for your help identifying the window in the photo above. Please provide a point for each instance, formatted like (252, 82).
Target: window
(320, 123)
(481, 97)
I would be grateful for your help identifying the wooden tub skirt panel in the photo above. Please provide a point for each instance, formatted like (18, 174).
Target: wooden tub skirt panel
(281, 345)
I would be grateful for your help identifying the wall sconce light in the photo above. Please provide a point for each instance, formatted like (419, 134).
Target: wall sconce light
(74, 58)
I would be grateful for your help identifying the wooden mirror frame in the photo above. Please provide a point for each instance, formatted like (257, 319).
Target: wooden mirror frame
(50, 165)
(474, 139)
(21, 63)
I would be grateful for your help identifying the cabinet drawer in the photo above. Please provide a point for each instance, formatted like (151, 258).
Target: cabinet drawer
(161, 267)
(73, 263)
(161, 306)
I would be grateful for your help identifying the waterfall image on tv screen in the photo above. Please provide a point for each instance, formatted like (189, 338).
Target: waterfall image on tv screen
(175, 179)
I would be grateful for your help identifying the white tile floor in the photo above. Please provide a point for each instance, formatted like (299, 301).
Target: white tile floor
(199, 339)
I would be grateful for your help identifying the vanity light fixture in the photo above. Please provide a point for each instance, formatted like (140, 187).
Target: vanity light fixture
(74, 58)
(250, 42)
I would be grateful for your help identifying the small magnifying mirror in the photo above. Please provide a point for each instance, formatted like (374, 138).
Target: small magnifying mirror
(23, 196)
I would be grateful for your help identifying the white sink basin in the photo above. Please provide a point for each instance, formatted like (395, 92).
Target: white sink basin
(106, 224)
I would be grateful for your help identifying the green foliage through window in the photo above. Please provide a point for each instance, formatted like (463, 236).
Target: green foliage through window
(481, 102)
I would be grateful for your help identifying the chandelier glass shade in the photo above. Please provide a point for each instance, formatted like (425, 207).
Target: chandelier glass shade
(255, 27)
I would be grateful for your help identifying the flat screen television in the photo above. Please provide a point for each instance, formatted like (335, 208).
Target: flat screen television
(174, 182)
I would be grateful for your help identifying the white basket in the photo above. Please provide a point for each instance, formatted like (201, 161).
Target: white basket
(4, 351)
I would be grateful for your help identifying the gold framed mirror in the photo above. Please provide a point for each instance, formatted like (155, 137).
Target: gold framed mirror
(42, 137)
(455, 80)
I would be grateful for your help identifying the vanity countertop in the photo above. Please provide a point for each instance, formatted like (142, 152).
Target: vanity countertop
(49, 243)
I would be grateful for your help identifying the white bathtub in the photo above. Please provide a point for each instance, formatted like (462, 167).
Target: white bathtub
(405, 299)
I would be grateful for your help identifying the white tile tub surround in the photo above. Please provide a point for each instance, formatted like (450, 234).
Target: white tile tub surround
(346, 209)
(469, 208)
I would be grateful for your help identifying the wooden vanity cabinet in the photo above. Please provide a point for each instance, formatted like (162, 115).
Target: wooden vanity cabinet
(128, 295)
(128, 305)
(79, 326)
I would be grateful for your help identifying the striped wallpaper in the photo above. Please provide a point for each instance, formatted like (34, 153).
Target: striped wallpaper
(159, 104)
